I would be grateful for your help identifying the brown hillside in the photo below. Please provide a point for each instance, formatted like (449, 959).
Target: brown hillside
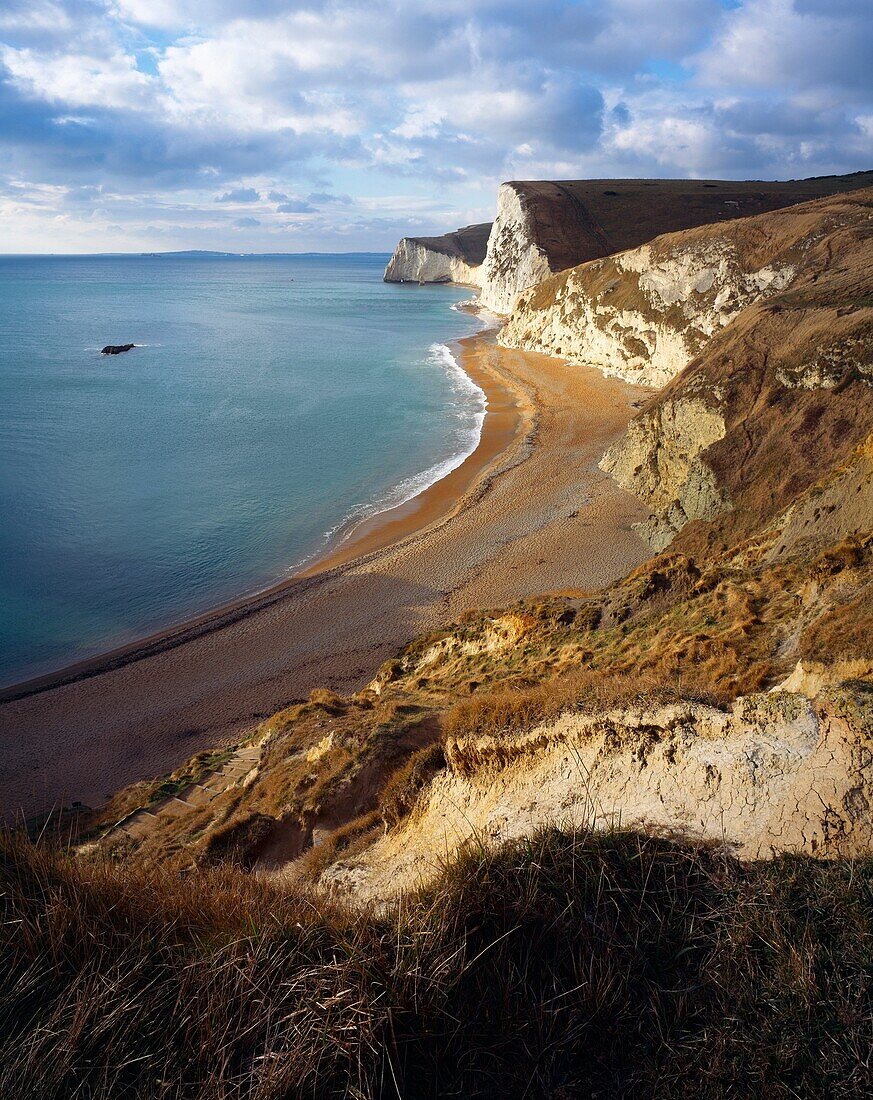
(574, 221)
(791, 376)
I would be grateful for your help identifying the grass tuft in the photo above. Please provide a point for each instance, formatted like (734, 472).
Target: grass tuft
(513, 709)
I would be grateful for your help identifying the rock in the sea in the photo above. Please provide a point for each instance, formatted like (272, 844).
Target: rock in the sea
(116, 349)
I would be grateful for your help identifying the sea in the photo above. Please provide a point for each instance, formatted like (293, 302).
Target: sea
(269, 403)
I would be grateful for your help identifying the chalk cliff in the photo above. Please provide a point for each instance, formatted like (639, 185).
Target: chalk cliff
(782, 390)
(645, 313)
(542, 228)
(453, 258)
(777, 772)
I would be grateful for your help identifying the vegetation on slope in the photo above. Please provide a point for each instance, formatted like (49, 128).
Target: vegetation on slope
(153, 964)
(337, 771)
(781, 572)
(564, 966)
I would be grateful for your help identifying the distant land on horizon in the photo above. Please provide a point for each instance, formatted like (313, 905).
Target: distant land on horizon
(181, 253)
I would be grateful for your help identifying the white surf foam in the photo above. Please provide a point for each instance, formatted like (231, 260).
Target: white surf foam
(471, 413)
(472, 407)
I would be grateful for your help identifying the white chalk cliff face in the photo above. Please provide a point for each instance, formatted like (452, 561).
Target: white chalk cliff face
(644, 314)
(514, 261)
(451, 258)
(544, 227)
(415, 262)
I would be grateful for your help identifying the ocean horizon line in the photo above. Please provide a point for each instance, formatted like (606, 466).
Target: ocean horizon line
(146, 253)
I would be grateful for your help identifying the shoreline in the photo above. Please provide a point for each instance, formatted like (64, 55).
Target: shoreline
(507, 407)
(367, 535)
(528, 512)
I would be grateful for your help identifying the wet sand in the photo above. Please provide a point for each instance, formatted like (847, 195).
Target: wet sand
(528, 512)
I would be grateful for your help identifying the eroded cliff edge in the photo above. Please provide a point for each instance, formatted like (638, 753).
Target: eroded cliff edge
(757, 327)
(543, 228)
(452, 258)
(777, 772)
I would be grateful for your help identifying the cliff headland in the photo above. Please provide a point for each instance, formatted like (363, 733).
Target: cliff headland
(542, 227)
(452, 258)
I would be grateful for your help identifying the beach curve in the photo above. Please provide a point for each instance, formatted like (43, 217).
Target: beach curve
(474, 538)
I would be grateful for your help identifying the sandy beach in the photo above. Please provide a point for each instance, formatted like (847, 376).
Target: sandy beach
(527, 512)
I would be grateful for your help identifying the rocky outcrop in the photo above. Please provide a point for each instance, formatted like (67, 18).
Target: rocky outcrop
(660, 460)
(769, 395)
(453, 258)
(543, 228)
(116, 349)
(500, 635)
(777, 773)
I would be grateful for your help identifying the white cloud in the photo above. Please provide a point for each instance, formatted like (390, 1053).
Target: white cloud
(250, 77)
(162, 105)
(78, 80)
(154, 13)
(668, 141)
(785, 45)
(34, 16)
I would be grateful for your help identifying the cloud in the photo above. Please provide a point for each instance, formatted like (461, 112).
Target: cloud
(322, 198)
(786, 45)
(246, 223)
(158, 109)
(82, 194)
(77, 80)
(239, 194)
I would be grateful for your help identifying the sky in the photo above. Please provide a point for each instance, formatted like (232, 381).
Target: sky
(342, 125)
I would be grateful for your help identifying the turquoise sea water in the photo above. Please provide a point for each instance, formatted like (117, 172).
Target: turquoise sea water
(269, 400)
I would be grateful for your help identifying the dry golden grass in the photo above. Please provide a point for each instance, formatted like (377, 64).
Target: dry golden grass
(566, 965)
(847, 554)
(344, 842)
(513, 709)
(236, 842)
(670, 630)
(403, 788)
(712, 634)
(844, 632)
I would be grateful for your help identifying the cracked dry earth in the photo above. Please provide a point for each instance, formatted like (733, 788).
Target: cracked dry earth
(779, 771)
